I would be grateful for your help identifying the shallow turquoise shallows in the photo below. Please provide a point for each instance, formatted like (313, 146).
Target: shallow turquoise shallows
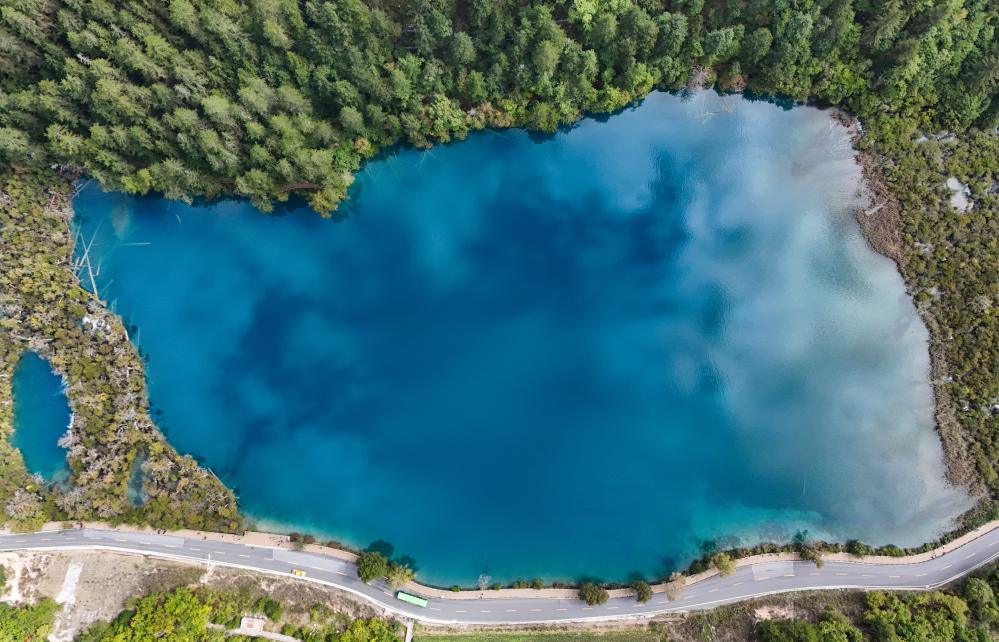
(41, 417)
(586, 355)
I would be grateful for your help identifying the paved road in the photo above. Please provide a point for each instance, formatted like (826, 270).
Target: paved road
(747, 582)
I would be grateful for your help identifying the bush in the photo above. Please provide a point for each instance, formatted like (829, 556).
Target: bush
(643, 592)
(723, 563)
(270, 607)
(371, 565)
(858, 548)
(399, 574)
(593, 594)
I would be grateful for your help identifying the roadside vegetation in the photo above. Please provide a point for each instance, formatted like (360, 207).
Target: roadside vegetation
(965, 612)
(196, 615)
(267, 99)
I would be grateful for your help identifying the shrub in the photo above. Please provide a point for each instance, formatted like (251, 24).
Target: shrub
(723, 563)
(593, 594)
(858, 548)
(643, 592)
(371, 565)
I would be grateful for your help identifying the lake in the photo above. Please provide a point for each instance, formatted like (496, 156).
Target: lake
(591, 354)
(41, 417)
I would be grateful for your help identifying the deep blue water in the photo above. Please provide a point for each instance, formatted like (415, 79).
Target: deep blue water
(587, 355)
(41, 417)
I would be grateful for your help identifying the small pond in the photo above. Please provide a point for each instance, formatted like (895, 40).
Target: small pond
(41, 417)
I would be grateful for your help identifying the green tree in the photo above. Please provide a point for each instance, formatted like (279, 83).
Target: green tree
(398, 574)
(593, 594)
(643, 592)
(981, 601)
(352, 120)
(371, 565)
(171, 617)
(723, 563)
(26, 623)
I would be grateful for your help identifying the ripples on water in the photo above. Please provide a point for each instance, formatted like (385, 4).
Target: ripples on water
(588, 355)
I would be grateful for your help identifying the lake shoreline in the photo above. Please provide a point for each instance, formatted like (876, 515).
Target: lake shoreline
(880, 239)
(881, 225)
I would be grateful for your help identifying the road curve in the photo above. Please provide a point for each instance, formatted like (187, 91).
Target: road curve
(749, 581)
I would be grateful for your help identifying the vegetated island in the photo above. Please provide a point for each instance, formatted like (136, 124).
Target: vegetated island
(274, 98)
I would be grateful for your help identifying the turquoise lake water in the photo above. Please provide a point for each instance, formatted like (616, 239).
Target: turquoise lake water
(41, 417)
(587, 354)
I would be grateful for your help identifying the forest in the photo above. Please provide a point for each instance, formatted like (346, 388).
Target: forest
(273, 99)
(265, 98)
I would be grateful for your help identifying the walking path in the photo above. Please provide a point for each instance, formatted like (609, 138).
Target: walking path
(753, 577)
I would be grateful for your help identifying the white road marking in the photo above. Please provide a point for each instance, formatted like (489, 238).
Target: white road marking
(738, 583)
(535, 610)
(460, 611)
(485, 611)
(247, 556)
(816, 573)
(170, 545)
(944, 568)
(511, 610)
(611, 608)
(866, 575)
(433, 608)
(968, 557)
(920, 574)
(895, 577)
(841, 574)
(20, 541)
(712, 590)
(561, 609)
(191, 548)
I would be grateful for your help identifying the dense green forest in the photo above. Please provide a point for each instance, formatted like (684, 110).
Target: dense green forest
(263, 98)
(267, 99)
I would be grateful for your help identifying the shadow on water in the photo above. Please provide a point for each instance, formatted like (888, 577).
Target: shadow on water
(381, 546)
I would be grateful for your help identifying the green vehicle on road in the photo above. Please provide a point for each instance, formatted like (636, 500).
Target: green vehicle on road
(412, 599)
